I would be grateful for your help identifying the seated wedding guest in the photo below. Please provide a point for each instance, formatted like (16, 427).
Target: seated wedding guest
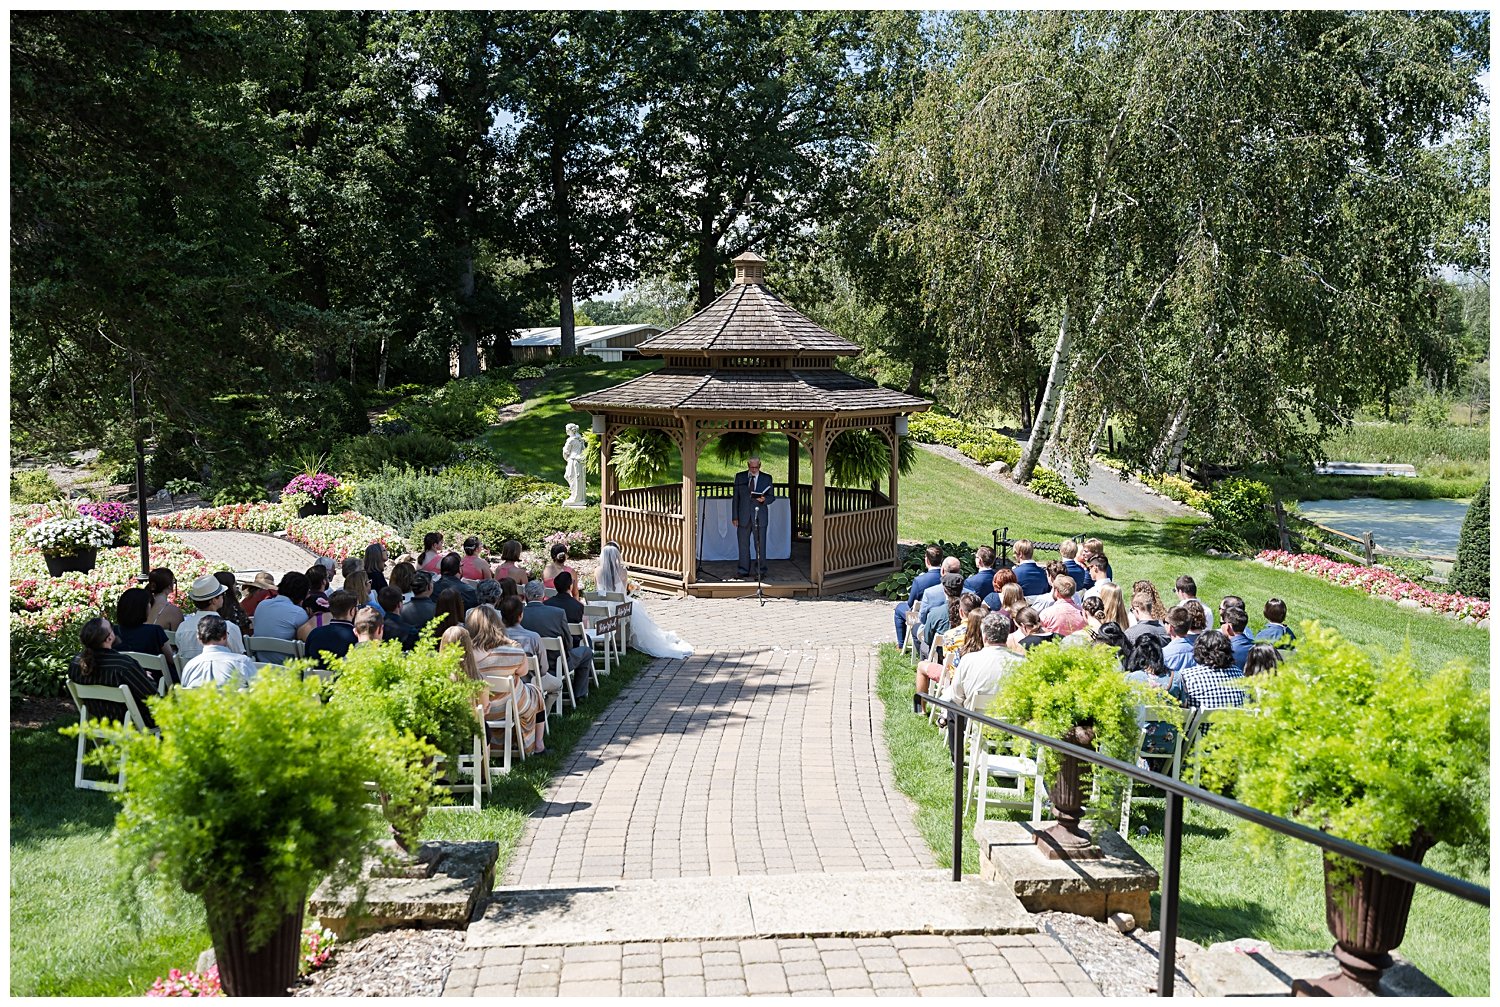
(1199, 616)
(998, 583)
(396, 628)
(558, 563)
(369, 626)
(1063, 616)
(450, 581)
(1142, 621)
(1226, 603)
(1145, 665)
(264, 587)
(1263, 659)
(1178, 652)
(939, 617)
(162, 612)
(376, 558)
(401, 575)
(233, 612)
(1029, 631)
(936, 595)
(510, 609)
(318, 616)
(450, 609)
(1234, 622)
(489, 592)
(978, 674)
(358, 584)
(1211, 682)
(1109, 634)
(458, 636)
(1157, 609)
(1093, 611)
(133, 632)
(98, 663)
(1032, 578)
(1276, 631)
(1098, 569)
(965, 637)
(1010, 601)
(349, 566)
(1114, 605)
(1093, 547)
(549, 621)
(982, 581)
(207, 595)
(503, 664)
(282, 614)
(932, 557)
(563, 599)
(335, 637)
(473, 565)
(422, 608)
(317, 582)
(1067, 551)
(1187, 590)
(510, 565)
(216, 664)
(432, 552)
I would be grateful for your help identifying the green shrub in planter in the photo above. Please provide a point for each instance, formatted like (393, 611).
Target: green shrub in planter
(1058, 688)
(527, 524)
(1366, 746)
(249, 798)
(1471, 574)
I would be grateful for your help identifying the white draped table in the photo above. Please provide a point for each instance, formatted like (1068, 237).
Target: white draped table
(718, 539)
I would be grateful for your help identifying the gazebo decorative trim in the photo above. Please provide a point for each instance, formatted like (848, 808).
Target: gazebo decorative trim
(750, 363)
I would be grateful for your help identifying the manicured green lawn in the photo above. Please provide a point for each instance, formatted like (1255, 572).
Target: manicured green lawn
(1229, 889)
(70, 934)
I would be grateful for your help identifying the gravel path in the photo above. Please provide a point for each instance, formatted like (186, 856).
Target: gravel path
(396, 963)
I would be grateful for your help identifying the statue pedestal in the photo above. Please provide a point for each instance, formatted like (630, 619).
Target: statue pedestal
(574, 504)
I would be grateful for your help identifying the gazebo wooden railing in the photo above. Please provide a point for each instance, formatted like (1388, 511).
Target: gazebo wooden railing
(857, 539)
(648, 541)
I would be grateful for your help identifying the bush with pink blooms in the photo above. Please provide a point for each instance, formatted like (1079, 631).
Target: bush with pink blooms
(337, 535)
(178, 983)
(1378, 583)
(317, 948)
(315, 486)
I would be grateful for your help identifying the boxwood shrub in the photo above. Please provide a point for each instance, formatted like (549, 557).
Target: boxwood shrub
(528, 524)
(401, 497)
(1471, 574)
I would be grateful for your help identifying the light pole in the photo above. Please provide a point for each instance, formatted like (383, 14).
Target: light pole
(140, 481)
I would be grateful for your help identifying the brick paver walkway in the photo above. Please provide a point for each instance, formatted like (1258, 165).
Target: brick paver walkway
(899, 965)
(244, 550)
(744, 759)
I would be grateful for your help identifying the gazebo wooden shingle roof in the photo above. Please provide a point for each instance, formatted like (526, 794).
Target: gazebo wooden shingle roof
(750, 363)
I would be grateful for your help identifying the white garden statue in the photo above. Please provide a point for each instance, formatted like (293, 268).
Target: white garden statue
(573, 452)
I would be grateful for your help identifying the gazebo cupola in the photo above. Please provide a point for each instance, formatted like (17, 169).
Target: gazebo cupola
(749, 363)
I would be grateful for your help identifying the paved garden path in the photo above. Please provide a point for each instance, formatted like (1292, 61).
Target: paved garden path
(761, 755)
(243, 550)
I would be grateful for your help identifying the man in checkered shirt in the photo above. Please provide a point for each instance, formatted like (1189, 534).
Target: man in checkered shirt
(1211, 683)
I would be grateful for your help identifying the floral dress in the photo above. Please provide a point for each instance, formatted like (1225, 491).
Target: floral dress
(503, 668)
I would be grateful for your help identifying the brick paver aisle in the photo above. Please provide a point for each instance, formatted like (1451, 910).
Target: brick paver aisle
(758, 755)
(243, 550)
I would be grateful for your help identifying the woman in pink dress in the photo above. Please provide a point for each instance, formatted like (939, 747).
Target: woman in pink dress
(559, 565)
(473, 565)
(432, 552)
(510, 553)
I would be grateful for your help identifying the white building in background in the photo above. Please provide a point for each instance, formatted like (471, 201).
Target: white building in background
(607, 342)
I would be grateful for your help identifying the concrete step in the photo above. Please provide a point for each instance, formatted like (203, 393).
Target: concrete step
(741, 907)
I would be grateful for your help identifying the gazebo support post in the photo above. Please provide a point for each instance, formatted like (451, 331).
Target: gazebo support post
(793, 477)
(689, 500)
(819, 501)
(895, 479)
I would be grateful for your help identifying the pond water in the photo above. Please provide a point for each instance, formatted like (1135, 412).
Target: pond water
(1417, 525)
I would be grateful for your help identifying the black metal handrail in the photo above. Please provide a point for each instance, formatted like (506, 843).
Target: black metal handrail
(1176, 791)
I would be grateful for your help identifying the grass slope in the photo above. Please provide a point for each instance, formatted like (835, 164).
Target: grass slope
(71, 936)
(1228, 889)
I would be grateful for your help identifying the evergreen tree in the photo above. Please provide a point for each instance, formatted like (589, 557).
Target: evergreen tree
(1471, 574)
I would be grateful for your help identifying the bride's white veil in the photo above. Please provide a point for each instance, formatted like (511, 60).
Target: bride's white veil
(611, 569)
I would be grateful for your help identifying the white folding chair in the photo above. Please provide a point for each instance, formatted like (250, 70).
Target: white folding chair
(1167, 763)
(273, 649)
(1201, 721)
(89, 735)
(604, 636)
(623, 612)
(553, 697)
(555, 654)
(999, 777)
(157, 663)
(505, 721)
(474, 765)
(549, 592)
(576, 631)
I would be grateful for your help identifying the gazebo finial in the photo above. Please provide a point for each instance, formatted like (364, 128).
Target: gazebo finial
(749, 268)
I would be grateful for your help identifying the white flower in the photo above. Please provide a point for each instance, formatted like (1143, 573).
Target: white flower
(65, 535)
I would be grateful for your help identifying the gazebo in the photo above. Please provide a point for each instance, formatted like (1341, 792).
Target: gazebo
(750, 364)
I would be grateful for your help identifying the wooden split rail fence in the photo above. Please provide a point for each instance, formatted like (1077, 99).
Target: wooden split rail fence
(1287, 526)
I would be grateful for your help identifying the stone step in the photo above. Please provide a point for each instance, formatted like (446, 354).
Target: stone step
(744, 907)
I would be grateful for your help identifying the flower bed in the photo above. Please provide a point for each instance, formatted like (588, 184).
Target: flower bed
(336, 535)
(1377, 582)
(47, 612)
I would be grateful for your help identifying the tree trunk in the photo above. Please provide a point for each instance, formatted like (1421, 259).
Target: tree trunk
(1057, 376)
(1163, 449)
(565, 315)
(385, 354)
(1098, 433)
(914, 383)
(562, 258)
(707, 264)
(1025, 414)
(468, 349)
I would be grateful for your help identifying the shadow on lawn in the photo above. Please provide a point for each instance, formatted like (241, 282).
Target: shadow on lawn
(43, 801)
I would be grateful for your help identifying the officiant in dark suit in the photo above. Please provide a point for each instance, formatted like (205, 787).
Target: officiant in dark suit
(753, 492)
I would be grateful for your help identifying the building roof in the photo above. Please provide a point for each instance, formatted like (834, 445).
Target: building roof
(812, 391)
(583, 335)
(748, 318)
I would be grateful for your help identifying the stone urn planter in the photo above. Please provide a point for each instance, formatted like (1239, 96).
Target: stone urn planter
(1067, 840)
(81, 561)
(267, 970)
(1367, 912)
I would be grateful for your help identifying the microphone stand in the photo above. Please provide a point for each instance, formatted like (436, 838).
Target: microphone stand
(760, 558)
